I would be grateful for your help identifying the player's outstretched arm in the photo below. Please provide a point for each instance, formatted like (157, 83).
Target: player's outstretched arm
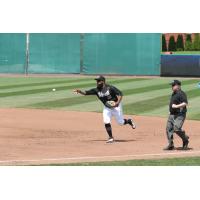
(77, 91)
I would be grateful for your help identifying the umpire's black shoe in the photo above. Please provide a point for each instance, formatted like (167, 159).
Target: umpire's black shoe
(185, 143)
(169, 147)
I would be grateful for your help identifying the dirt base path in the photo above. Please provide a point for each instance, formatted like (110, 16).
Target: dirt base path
(31, 136)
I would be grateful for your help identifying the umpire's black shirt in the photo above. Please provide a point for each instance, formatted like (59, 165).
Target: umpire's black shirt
(178, 97)
(107, 93)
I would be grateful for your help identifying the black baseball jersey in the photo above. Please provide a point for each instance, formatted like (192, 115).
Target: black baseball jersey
(108, 93)
(178, 97)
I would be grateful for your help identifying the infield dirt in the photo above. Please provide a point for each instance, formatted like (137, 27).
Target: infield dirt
(33, 136)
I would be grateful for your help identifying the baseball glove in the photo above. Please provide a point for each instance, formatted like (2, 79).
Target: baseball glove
(110, 104)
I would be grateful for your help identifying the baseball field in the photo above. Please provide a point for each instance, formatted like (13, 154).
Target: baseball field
(40, 126)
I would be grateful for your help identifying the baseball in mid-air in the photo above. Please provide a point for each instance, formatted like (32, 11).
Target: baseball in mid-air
(53, 89)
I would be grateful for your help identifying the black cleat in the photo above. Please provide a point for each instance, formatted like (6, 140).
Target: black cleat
(110, 140)
(185, 144)
(169, 147)
(131, 123)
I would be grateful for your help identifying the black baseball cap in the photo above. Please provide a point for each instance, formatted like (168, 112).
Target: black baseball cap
(100, 78)
(175, 82)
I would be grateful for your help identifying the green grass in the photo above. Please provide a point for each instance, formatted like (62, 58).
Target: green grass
(186, 52)
(47, 89)
(142, 96)
(186, 161)
(151, 104)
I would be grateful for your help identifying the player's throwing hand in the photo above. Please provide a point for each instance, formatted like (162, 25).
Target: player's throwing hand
(77, 91)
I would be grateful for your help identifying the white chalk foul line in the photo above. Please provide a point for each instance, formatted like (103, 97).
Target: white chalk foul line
(97, 157)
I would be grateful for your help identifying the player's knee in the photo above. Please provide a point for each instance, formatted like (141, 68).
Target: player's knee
(107, 124)
(106, 121)
(169, 129)
(120, 122)
(177, 129)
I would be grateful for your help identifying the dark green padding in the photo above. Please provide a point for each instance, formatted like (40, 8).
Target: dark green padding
(122, 53)
(12, 52)
(54, 53)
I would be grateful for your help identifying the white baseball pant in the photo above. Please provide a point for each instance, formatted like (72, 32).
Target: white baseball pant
(116, 112)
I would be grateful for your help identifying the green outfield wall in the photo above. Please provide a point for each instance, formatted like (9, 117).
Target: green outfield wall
(122, 53)
(12, 52)
(88, 53)
(54, 53)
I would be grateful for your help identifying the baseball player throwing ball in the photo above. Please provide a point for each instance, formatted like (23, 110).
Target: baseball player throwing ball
(111, 97)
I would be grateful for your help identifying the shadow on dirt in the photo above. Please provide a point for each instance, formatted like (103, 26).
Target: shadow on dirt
(181, 149)
(114, 141)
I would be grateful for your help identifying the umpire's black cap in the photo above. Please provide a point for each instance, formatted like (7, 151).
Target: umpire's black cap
(175, 82)
(100, 78)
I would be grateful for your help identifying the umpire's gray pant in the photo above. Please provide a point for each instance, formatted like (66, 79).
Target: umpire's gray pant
(174, 124)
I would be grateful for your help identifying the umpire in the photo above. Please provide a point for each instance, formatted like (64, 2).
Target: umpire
(177, 108)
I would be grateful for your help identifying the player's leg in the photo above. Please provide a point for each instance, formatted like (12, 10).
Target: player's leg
(179, 121)
(118, 114)
(130, 122)
(169, 132)
(107, 115)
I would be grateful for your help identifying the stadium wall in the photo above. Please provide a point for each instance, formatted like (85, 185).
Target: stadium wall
(12, 52)
(122, 53)
(180, 65)
(88, 53)
(54, 53)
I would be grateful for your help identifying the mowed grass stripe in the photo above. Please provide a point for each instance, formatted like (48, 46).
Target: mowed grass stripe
(43, 87)
(154, 87)
(41, 83)
(65, 102)
(154, 103)
(184, 161)
(42, 90)
(193, 109)
(70, 101)
(195, 117)
(129, 99)
(23, 101)
(58, 81)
